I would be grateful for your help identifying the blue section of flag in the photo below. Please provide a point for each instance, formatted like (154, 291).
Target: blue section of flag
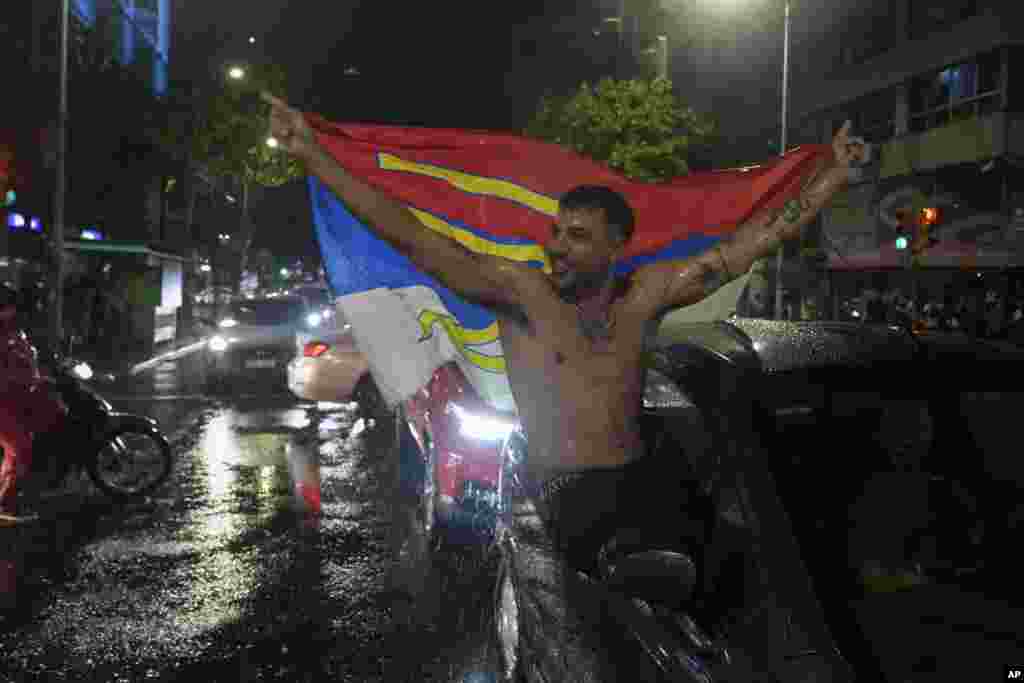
(356, 260)
(680, 249)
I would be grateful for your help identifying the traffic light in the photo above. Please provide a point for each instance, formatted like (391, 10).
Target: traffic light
(905, 217)
(915, 228)
(926, 218)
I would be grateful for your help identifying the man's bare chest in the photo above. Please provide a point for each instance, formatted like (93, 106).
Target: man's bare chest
(596, 349)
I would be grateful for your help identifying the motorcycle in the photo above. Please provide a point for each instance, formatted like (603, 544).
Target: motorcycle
(126, 455)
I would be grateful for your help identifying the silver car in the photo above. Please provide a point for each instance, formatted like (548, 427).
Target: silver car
(259, 337)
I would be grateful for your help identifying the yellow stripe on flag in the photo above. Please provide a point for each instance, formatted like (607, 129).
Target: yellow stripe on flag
(463, 338)
(481, 245)
(474, 184)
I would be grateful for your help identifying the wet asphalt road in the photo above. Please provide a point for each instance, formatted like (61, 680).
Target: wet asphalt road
(222, 575)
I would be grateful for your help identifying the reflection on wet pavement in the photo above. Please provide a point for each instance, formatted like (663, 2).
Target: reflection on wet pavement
(227, 569)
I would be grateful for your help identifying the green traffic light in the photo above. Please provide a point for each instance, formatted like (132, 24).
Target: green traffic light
(11, 197)
(902, 243)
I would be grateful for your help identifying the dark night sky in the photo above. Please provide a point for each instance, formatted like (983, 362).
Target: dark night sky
(453, 64)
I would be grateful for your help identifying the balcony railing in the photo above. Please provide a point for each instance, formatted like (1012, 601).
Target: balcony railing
(960, 140)
(977, 106)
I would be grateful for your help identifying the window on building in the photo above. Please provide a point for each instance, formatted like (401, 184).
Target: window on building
(84, 11)
(956, 92)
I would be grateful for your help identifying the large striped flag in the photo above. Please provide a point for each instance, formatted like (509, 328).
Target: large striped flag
(498, 194)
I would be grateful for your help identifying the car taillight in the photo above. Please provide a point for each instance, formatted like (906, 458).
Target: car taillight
(315, 349)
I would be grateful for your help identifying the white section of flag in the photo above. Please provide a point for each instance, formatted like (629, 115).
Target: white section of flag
(384, 325)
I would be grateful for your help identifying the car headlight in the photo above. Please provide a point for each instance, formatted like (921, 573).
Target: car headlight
(313, 319)
(661, 392)
(82, 371)
(218, 343)
(228, 322)
(481, 427)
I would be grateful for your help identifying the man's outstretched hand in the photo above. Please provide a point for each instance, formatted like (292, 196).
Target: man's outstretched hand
(848, 150)
(288, 126)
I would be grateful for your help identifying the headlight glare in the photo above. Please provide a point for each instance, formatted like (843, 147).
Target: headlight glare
(313, 319)
(228, 322)
(82, 371)
(481, 427)
(218, 343)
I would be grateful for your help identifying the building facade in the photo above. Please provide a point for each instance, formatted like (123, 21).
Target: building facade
(937, 87)
(119, 60)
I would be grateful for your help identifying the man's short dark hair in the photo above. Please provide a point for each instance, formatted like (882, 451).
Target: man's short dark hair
(616, 209)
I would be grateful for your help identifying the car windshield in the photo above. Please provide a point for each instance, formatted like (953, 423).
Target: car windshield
(273, 312)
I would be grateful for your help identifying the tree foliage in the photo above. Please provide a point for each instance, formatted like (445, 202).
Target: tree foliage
(637, 127)
(222, 126)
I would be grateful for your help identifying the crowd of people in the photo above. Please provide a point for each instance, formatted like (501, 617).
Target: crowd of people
(988, 315)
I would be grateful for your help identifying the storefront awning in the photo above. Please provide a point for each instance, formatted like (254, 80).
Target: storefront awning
(945, 254)
(133, 248)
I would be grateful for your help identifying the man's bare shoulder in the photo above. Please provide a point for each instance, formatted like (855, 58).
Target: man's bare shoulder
(533, 291)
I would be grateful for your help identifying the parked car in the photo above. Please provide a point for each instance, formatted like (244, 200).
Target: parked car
(258, 335)
(825, 445)
(329, 367)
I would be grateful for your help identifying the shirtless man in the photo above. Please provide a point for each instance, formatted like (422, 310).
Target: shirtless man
(573, 339)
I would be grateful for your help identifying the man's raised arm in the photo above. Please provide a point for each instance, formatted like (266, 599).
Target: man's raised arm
(484, 279)
(685, 282)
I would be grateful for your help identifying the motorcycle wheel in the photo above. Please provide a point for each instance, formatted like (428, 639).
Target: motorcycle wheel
(131, 464)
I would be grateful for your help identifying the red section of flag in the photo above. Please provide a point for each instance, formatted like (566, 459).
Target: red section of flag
(709, 203)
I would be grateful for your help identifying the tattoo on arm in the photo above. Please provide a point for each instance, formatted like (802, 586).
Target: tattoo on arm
(813, 195)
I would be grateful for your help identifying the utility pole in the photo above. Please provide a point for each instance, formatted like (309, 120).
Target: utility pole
(782, 150)
(57, 291)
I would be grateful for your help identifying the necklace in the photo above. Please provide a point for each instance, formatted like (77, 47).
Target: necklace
(594, 328)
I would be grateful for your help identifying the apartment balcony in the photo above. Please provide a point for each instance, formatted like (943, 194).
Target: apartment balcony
(977, 138)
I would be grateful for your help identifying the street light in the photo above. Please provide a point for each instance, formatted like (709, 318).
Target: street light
(782, 151)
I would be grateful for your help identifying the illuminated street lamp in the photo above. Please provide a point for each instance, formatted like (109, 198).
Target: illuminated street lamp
(236, 73)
